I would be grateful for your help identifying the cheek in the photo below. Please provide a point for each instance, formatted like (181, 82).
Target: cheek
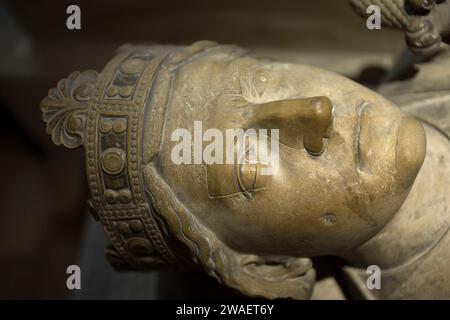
(316, 205)
(307, 208)
(320, 180)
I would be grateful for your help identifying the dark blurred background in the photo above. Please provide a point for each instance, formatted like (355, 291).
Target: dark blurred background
(43, 189)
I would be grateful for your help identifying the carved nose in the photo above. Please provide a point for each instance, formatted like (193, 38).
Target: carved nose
(320, 127)
(302, 122)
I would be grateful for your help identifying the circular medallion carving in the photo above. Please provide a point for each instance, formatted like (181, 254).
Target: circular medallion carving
(124, 196)
(112, 91)
(119, 126)
(123, 227)
(132, 66)
(105, 126)
(125, 91)
(111, 196)
(140, 246)
(136, 226)
(113, 161)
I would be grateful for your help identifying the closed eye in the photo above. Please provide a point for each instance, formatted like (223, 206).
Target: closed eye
(247, 176)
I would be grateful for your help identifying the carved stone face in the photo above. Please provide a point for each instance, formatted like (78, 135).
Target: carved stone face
(347, 160)
(313, 205)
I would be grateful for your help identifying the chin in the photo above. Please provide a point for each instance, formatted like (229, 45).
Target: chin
(410, 149)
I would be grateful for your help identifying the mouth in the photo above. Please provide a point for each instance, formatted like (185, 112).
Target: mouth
(359, 159)
(388, 141)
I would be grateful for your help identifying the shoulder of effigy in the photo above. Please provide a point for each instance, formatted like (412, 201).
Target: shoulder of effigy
(432, 107)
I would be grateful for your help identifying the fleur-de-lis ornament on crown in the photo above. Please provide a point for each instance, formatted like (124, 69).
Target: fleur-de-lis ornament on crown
(64, 109)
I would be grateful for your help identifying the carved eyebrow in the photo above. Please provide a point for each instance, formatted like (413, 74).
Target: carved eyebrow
(247, 191)
(237, 99)
(238, 185)
(249, 87)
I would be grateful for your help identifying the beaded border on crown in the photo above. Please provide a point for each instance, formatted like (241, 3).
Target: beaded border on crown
(117, 125)
(107, 113)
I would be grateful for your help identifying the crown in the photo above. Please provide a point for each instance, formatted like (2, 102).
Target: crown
(107, 113)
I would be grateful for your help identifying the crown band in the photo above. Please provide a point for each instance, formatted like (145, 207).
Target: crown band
(113, 150)
(132, 91)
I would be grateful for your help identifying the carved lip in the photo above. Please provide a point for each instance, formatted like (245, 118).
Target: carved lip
(361, 111)
(399, 138)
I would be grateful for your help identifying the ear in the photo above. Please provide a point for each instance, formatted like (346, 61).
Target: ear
(302, 122)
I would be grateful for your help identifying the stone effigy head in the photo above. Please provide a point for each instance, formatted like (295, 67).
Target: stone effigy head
(327, 164)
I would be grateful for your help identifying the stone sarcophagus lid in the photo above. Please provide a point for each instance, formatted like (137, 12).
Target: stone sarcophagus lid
(154, 124)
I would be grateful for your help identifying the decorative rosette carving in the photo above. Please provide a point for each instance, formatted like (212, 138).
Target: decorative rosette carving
(64, 109)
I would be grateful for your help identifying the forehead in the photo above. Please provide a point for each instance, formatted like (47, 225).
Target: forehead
(268, 81)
